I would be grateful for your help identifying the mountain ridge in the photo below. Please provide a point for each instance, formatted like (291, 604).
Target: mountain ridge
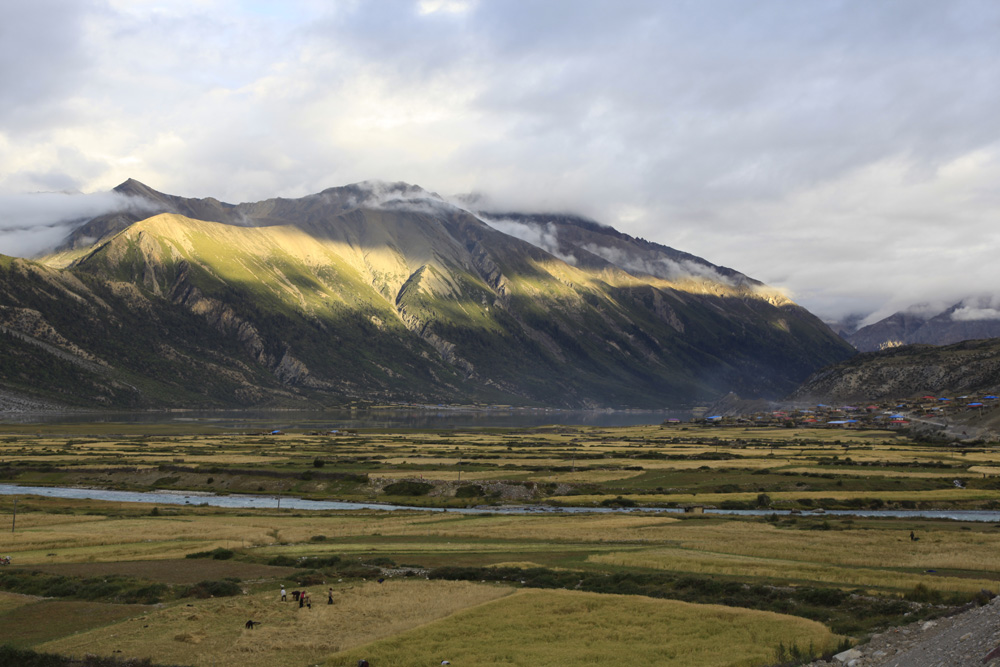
(387, 292)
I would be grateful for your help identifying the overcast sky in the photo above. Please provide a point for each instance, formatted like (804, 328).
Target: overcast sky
(848, 152)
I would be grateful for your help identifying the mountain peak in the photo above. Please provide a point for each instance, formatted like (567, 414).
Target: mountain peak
(137, 188)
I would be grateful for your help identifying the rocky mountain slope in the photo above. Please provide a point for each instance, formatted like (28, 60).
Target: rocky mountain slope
(968, 367)
(961, 321)
(380, 292)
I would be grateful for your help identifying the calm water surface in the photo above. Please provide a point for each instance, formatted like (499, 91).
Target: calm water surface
(443, 418)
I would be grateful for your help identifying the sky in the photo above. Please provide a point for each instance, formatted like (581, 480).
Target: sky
(847, 152)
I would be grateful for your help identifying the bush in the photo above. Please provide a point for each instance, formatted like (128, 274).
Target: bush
(618, 502)
(316, 561)
(28, 658)
(469, 491)
(283, 561)
(408, 488)
(215, 554)
(921, 593)
(380, 561)
(318, 463)
(213, 589)
(311, 578)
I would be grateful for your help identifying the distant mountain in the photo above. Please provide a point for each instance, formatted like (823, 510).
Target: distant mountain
(380, 292)
(969, 367)
(966, 320)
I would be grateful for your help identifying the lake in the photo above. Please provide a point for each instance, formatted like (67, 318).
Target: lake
(389, 418)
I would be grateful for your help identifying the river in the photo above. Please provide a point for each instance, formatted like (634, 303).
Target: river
(291, 503)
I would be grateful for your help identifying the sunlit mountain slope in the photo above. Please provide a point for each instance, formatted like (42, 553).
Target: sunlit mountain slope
(386, 292)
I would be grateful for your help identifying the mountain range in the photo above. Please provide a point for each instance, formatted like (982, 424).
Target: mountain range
(380, 293)
(970, 319)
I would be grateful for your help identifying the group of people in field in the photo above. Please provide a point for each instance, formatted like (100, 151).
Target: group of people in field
(304, 598)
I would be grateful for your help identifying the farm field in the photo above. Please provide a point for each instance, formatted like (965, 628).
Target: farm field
(177, 583)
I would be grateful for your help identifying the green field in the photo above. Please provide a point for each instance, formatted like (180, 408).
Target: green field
(782, 586)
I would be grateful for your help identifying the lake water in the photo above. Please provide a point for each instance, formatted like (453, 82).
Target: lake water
(272, 502)
(423, 418)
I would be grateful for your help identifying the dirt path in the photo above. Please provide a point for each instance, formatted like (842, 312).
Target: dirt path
(966, 639)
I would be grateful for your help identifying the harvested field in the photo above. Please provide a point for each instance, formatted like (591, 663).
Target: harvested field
(211, 633)
(573, 628)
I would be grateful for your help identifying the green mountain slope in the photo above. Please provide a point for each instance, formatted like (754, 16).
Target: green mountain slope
(387, 293)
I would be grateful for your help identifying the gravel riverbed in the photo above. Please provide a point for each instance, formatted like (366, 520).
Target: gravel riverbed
(969, 638)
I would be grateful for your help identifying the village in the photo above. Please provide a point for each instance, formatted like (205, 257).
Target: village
(927, 410)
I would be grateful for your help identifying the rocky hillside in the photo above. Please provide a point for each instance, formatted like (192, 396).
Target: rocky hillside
(968, 367)
(378, 292)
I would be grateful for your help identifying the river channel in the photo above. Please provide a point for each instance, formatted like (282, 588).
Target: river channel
(291, 503)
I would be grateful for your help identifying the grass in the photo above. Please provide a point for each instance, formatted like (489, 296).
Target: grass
(212, 632)
(535, 627)
(870, 563)
(33, 624)
(787, 571)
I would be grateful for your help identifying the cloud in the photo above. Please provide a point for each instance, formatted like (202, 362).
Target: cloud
(661, 267)
(845, 152)
(35, 223)
(966, 314)
(544, 236)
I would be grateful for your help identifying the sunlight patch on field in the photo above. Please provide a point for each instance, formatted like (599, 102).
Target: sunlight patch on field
(971, 551)
(785, 571)
(442, 475)
(872, 471)
(585, 476)
(660, 464)
(212, 633)
(950, 494)
(535, 627)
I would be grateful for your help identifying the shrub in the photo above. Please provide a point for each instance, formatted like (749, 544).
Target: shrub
(469, 491)
(215, 554)
(921, 593)
(380, 561)
(283, 561)
(316, 561)
(408, 488)
(618, 502)
(213, 589)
